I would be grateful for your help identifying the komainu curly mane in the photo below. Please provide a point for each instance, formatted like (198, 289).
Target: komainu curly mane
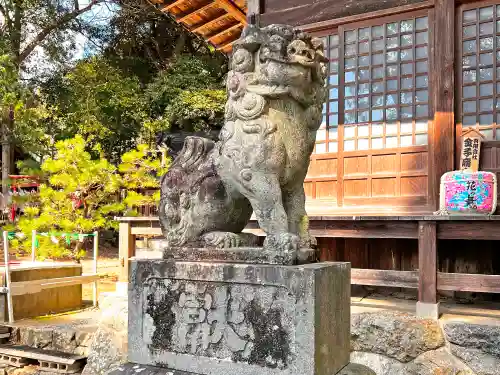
(275, 96)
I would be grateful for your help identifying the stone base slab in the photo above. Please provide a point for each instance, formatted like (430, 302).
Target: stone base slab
(134, 369)
(252, 255)
(245, 319)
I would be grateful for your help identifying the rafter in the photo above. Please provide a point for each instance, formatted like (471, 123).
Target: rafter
(170, 6)
(205, 7)
(210, 23)
(227, 45)
(233, 10)
(213, 37)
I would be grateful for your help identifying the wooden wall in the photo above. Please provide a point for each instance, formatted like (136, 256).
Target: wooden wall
(301, 12)
(394, 177)
(454, 256)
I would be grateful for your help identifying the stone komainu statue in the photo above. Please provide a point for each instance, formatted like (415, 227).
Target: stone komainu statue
(275, 96)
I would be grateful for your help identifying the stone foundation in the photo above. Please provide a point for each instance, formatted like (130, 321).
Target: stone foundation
(402, 344)
(245, 319)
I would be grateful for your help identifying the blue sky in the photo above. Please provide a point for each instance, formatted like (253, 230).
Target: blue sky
(100, 14)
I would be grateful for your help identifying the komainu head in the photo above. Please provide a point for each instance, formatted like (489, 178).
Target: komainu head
(271, 63)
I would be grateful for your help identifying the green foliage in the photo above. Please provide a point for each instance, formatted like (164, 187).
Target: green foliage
(189, 93)
(10, 89)
(98, 102)
(141, 170)
(110, 108)
(73, 175)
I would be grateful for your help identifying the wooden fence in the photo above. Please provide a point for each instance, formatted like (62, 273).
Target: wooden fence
(11, 289)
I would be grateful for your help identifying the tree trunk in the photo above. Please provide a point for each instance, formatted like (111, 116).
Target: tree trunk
(6, 160)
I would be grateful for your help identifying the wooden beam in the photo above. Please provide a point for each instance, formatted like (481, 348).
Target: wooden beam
(213, 37)
(469, 230)
(209, 23)
(387, 278)
(355, 229)
(427, 262)
(337, 21)
(464, 282)
(187, 16)
(148, 231)
(227, 45)
(366, 229)
(166, 8)
(233, 10)
(36, 286)
(441, 81)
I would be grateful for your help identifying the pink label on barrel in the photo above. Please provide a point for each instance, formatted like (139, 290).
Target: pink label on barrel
(469, 192)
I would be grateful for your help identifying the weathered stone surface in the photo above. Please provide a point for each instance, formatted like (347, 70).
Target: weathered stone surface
(438, 362)
(37, 337)
(480, 362)
(217, 318)
(434, 362)
(253, 255)
(478, 336)
(380, 364)
(64, 339)
(83, 338)
(108, 349)
(400, 336)
(134, 369)
(356, 369)
(275, 97)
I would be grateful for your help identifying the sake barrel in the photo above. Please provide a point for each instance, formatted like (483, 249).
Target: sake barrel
(468, 193)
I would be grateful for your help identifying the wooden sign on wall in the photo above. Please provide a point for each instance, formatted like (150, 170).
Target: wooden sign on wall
(471, 149)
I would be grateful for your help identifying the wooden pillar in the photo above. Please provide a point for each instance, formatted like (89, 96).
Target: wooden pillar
(442, 86)
(427, 305)
(126, 249)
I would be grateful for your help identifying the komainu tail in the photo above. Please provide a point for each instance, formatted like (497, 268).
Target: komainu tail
(180, 186)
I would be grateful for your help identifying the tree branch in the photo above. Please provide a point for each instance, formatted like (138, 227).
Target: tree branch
(6, 16)
(68, 17)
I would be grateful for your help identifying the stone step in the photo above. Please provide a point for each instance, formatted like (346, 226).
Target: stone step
(63, 337)
(48, 360)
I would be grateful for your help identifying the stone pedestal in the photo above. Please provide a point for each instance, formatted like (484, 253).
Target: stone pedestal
(246, 319)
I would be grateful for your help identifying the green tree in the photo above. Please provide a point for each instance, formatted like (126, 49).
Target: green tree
(141, 170)
(189, 94)
(99, 102)
(80, 196)
(111, 107)
(28, 28)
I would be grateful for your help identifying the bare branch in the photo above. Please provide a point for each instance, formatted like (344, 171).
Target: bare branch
(6, 16)
(68, 17)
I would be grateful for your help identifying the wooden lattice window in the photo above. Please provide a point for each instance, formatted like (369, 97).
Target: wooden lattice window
(386, 85)
(372, 147)
(327, 135)
(479, 71)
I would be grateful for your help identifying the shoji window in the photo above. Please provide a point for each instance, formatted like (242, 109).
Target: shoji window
(385, 85)
(478, 80)
(372, 147)
(327, 135)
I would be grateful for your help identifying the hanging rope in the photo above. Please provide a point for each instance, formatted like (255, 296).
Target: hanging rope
(68, 237)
